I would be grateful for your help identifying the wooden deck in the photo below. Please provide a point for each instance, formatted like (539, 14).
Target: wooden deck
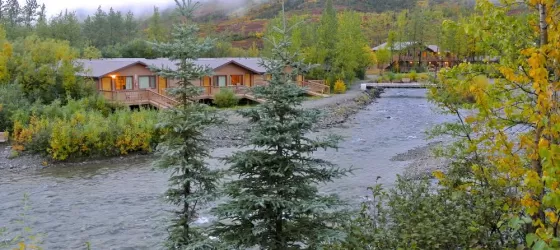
(140, 97)
(150, 97)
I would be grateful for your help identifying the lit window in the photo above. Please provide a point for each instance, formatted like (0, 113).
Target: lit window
(124, 82)
(236, 80)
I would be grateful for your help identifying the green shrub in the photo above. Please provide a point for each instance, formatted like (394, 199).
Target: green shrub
(226, 98)
(386, 78)
(413, 76)
(423, 77)
(398, 77)
(413, 215)
(391, 76)
(12, 99)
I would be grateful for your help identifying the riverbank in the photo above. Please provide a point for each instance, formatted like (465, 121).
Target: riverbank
(422, 161)
(117, 203)
(335, 110)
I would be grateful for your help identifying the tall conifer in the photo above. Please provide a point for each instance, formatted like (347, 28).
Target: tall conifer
(274, 203)
(184, 148)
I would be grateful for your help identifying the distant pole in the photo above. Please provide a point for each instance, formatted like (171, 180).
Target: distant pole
(438, 62)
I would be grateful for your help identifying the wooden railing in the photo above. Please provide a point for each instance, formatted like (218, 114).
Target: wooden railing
(161, 99)
(212, 90)
(139, 97)
(107, 94)
(317, 86)
(131, 96)
(148, 96)
(429, 58)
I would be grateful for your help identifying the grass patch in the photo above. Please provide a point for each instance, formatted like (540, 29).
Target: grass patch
(313, 98)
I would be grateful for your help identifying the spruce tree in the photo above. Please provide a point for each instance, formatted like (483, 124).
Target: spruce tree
(274, 203)
(184, 148)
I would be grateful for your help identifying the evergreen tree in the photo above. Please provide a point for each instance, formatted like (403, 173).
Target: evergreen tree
(155, 31)
(130, 27)
(42, 14)
(66, 27)
(184, 147)
(42, 29)
(116, 25)
(12, 13)
(275, 203)
(3, 7)
(99, 25)
(30, 12)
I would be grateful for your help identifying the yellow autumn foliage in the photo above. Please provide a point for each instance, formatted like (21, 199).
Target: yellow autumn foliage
(74, 131)
(339, 87)
(511, 127)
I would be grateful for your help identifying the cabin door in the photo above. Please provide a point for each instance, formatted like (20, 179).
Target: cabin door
(162, 85)
(207, 83)
(106, 84)
(247, 79)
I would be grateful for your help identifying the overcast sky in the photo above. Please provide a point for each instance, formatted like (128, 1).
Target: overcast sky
(55, 6)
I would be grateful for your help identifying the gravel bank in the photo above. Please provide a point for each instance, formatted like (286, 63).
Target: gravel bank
(335, 111)
(422, 161)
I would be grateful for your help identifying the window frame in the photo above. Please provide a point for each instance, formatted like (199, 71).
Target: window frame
(238, 84)
(123, 87)
(150, 82)
(216, 82)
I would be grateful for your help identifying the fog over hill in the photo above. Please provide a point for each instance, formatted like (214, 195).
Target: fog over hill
(143, 7)
(224, 7)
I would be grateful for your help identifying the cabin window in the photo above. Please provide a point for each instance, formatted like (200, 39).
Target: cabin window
(220, 81)
(124, 82)
(145, 82)
(236, 80)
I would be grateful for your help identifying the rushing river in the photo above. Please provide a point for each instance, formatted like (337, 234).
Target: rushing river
(120, 207)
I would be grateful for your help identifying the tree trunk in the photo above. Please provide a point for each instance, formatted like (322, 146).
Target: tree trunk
(280, 242)
(543, 26)
(536, 163)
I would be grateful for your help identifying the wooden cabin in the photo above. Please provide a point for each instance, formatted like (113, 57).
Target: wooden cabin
(130, 81)
(408, 55)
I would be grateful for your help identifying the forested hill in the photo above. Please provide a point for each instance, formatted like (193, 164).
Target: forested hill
(215, 10)
(242, 24)
(238, 24)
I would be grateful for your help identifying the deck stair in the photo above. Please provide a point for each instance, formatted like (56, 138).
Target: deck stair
(316, 88)
(140, 97)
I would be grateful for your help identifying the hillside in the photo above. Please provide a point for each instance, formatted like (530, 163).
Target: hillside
(242, 21)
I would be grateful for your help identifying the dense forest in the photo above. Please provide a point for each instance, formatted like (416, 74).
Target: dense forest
(239, 26)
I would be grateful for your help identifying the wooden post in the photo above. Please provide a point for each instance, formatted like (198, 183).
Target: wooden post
(3, 137)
